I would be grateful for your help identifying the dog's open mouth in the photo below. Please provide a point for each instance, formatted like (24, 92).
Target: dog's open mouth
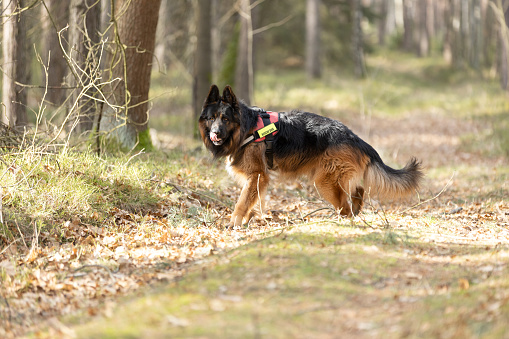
(215, 139)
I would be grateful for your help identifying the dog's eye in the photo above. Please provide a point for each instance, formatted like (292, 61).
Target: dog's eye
(225, 119)
(212, 119)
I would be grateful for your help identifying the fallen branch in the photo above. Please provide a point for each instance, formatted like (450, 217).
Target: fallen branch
(430, 199)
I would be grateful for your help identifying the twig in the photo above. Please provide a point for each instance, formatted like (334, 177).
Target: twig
(317, 210)
(21, 234)
(7, 247)
(272, 25)
(433, 198)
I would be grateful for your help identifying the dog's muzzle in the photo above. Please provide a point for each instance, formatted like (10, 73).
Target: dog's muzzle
(215, 139)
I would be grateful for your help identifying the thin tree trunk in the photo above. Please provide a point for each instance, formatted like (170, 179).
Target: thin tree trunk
(357, 39)
(161, 37)
(503, 53)
(489, 36)
(244, 65)
(313, 67)
(464, 31)
(423, 32)
(131, 64)
(456, 36)
(476, 27)
(85, 21)
(408, 25)
(387, 20)
(202, 60)
(215, 32)
(448, 33)
(15, 64)
(52, 50)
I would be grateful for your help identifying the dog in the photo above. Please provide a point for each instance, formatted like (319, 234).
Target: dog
(297, 144)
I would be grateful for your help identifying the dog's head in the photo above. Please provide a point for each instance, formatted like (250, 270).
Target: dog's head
(219, 122)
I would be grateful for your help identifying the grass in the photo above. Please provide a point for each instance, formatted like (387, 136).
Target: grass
(320, 281)
(52, 188)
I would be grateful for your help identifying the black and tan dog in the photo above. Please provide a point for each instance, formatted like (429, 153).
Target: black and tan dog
(294, 144)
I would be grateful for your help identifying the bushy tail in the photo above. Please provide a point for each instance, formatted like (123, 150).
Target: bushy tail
(383, 181)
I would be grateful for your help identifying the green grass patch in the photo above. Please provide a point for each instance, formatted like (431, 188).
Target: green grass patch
(52, 188)
(301, 285)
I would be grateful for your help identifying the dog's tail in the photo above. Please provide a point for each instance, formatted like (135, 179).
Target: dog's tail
(383, 181)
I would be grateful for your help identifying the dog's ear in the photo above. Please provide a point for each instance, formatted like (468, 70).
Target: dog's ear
(229, 97)
(213, 96)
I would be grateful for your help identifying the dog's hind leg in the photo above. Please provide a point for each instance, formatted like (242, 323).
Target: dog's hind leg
(252, 196)
(330, 189)
(357, 200)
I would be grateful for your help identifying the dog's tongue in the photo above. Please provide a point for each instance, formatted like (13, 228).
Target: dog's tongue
(213, 137)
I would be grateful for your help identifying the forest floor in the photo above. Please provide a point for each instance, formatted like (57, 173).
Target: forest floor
(146, 253)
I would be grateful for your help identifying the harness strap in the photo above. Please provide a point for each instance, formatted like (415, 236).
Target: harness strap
(269, 139)
(265, 132)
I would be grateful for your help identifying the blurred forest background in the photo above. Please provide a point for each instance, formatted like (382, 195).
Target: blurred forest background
(72, 69)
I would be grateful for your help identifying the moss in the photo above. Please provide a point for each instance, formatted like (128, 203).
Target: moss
(144, 141)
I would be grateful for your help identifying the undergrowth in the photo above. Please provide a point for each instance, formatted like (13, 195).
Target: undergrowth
(50, 189)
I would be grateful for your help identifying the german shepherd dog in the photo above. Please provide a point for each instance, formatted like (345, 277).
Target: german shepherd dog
(323, 149)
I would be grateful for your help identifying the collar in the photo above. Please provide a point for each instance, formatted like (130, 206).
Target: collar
(266, 125)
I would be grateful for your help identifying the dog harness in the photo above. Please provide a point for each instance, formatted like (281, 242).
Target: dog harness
(267, 126)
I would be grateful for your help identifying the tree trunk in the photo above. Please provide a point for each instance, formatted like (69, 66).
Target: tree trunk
(202, 60)
(313, 67)
(15, 64)
(244, 65)
(475, 34)
(464, 31)
(52, 50)
(503, 51)
(408, 25)
(387, 20)
(423, 32)
(489, 34)
(125, 119)
(447, 51)
(162, 33)
(85, 21)
(357, 39)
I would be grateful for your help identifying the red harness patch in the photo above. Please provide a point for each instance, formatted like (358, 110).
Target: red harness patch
(274, 118)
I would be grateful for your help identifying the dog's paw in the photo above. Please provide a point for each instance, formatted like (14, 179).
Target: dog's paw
(235, 222)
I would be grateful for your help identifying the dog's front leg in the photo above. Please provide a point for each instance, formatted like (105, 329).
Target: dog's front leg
(252, 194)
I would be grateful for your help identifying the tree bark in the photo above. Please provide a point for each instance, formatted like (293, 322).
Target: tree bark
(202, 60)
(357, 39)
(85, 21)
(447, 51)
(162, 33)
(408, 25)
(313, 66)
(15, 64)
(125, 119)
(52, 54)
(476, 27)
(423, 36)
(503, 51)
(244, 65)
